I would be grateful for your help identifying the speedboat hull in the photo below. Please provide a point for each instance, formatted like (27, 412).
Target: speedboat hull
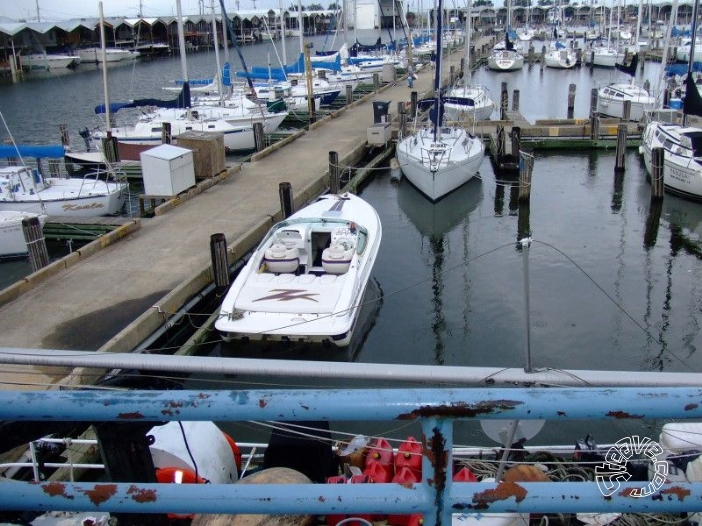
(306, 280)
(437, 167)
(682, 163)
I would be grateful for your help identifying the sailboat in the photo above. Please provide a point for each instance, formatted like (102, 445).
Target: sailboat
(682, 144)
(438, 159)
(506, 58)
(604, 55)
(469, 100)
(611, 98)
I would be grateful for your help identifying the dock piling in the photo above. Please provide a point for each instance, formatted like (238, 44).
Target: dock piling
(592, 61)
(349, 94)
(515, 100)
(334, 175)
(516, 136)
(594, 126)
(286, 199)
(526, 165)
(571, 100)
(626, 111)
(593, 101)
(413, 105)
(259, 136)
(504, 101)
(166, 136)
(621, 148)
(36, 243)
(220, 264)
(376, 81)
(657, 176)
(110, 149)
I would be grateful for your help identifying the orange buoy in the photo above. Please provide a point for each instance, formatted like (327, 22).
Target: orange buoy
(235, 450)
(171, 475)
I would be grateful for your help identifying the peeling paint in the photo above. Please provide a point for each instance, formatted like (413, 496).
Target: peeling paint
(262, 403)
(130, 416)
(677, 490)
(461, 409)
(142, 495)
(101, 493)
(622, 414)
(690, 407)
(503, 491)
(56, 489)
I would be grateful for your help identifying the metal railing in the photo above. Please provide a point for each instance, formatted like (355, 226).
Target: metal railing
(436, 496)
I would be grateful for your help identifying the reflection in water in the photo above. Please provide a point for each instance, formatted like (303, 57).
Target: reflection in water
(618, 191)
(435, 221)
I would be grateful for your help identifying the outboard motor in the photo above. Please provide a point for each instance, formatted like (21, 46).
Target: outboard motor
(85, 133)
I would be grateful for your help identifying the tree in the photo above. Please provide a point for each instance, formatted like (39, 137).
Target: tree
(334, 7)
(315, 7)
(480, 3)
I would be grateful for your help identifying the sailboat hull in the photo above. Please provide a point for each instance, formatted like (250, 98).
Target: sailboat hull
(437, 168)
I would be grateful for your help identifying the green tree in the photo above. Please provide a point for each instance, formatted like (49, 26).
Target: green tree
(334, 7)
(481, 3)
(315, 7)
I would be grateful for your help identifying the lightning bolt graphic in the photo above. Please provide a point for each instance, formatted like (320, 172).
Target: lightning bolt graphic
(289, 295)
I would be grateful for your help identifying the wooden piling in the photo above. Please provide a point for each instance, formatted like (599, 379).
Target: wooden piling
(515, 100)
(349, 94)
(65, 137)
(592, 61)
(657, 173)
(652, 222)
(543, 57)
(413, 105)
(334, 173)
(526, 164)
(626, 111)
(619, 163)
(259, 136)
(504, 101)
(166, 136)
(571, 100)
(593, 101)
(220, 263)
(401, 117)
(594, 126)
(36, 243)
(516, 136)
(110, 149)
(376, 81)
(286, 199)
(530, 54)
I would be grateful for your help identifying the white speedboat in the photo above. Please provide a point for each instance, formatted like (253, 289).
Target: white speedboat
(611, 98)
(92, 195)
(45, 61)
(560, 56)
(113, 54)
(306, 280)
(12, 241)
(682, 159)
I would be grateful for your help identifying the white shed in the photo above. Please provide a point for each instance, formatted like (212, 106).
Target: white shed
(167, 170)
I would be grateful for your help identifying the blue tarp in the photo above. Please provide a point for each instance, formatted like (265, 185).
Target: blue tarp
(262, 72)
(52, 151)
(182, 101)
(681, 69)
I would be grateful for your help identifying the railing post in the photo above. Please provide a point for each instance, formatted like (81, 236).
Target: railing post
(334, 176)
(286, 199)
(36, 243)
(220, 263)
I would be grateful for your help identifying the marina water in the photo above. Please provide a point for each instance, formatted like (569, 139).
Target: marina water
(609, 287)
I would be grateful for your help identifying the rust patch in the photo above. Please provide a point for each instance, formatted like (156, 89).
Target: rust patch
(142, 495)
(439, 460)
(130, 416)
(561, 413)
(203, 396)
(690, 407)
(167, 412)
(101, 493)
(629, 492)
(321, 499)
(622, 414)
(461, 409)
(503, 491)
(262, 403)
(681, 493)
(56, 489)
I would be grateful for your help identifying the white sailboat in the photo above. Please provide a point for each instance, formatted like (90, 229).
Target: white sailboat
(437, 159)
(505, 57)
(681, 143)
(468, 100)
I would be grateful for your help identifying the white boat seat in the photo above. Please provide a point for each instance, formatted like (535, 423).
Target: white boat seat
(281, 259)
(337, 259)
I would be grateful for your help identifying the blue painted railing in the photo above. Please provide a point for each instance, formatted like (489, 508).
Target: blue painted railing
(437, 496)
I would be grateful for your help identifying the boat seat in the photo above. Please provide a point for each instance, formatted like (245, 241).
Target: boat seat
(336, 259)
(281, 259)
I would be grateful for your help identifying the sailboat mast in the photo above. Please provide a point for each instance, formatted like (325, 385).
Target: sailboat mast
(181, 42)
(103, 46)
(469, 30)
(437, 77)
(299, 23)
(666, 43)
(691, 60)
(282, 32)
(216, 46)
